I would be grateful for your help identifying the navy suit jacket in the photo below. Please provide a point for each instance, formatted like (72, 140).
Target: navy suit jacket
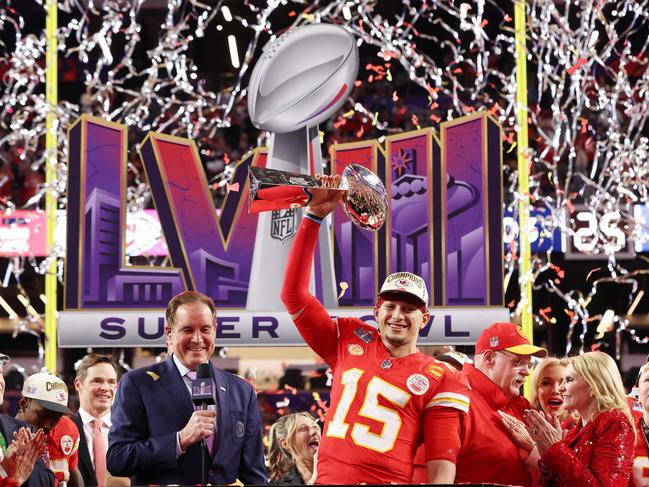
(152, 404)
(41, 476)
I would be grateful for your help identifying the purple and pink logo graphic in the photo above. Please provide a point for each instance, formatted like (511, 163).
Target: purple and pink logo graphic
(444, 221)
(445, 225)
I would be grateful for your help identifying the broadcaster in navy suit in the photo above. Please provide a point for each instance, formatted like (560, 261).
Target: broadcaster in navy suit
(156, 435)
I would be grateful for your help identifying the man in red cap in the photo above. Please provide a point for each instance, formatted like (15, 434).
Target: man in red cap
(502, 363)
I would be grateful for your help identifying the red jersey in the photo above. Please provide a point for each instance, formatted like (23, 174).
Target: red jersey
(63, 448)
(640, 474)
(489, 454)
(379, 404)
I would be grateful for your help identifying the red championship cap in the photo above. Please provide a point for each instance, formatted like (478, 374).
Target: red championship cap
(507, 336)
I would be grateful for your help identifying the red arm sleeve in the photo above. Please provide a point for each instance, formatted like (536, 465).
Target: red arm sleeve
(295, 289)
(611, 463)
(442, 433)
(73, 461)
(313, 321)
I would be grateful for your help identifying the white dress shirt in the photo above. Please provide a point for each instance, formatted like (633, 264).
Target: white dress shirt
(89, 429)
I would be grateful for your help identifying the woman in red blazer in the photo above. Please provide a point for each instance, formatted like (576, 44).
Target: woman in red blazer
(598, 449)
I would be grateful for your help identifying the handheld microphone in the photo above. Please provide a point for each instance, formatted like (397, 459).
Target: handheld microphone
(203, 387)
(203, 394)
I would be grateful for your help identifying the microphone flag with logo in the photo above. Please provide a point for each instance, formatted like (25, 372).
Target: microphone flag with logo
(203, 387)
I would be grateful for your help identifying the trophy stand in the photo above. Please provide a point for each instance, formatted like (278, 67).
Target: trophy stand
(288, 152)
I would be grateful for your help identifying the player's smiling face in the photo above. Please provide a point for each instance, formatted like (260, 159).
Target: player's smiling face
(400, 322)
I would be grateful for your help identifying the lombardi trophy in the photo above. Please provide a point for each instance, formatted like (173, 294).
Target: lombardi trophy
(302, 78)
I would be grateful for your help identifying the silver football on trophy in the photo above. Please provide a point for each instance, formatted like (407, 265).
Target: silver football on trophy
(367, 200)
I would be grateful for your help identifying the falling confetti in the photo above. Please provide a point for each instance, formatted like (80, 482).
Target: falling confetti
(343, 288)
(592, 272)
(580, 62)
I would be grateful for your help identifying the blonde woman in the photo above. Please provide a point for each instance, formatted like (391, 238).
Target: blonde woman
(598, 449)
(294, 441)
(545, 394)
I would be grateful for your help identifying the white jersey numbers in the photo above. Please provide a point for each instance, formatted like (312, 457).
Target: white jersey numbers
(361, 434)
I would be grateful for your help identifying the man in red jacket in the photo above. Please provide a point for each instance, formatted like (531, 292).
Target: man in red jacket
(502, 363)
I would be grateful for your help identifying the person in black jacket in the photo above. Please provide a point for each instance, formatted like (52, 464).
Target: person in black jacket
(294, 441)
(95, 383)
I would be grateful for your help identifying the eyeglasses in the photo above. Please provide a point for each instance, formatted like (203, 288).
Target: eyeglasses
(517, 362)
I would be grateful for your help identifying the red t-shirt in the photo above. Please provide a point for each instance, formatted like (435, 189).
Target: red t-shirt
(63, 448)
(488, 453)
(380, 405)
(640, 474)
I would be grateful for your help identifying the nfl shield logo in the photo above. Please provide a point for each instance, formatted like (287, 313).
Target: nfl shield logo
(283, 224)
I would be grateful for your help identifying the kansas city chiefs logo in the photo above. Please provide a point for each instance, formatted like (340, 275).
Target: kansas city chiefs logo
(66, 444)
(403, 283)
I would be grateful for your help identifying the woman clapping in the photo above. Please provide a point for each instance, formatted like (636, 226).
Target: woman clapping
(597, 449)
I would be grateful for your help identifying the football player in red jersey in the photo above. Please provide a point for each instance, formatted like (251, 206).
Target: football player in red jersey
(63, 452)
(44, 402)
(386, 397)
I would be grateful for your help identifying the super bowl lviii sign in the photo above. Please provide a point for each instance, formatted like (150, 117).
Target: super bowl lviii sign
(444, 223)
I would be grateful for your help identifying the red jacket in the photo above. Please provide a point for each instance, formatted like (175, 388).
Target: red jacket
(488, 453)
(598, 454)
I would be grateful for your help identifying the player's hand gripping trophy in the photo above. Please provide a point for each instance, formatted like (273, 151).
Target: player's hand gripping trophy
(363, 195)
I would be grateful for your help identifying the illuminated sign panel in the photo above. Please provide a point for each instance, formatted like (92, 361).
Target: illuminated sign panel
(598, 235)
(445, 223)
